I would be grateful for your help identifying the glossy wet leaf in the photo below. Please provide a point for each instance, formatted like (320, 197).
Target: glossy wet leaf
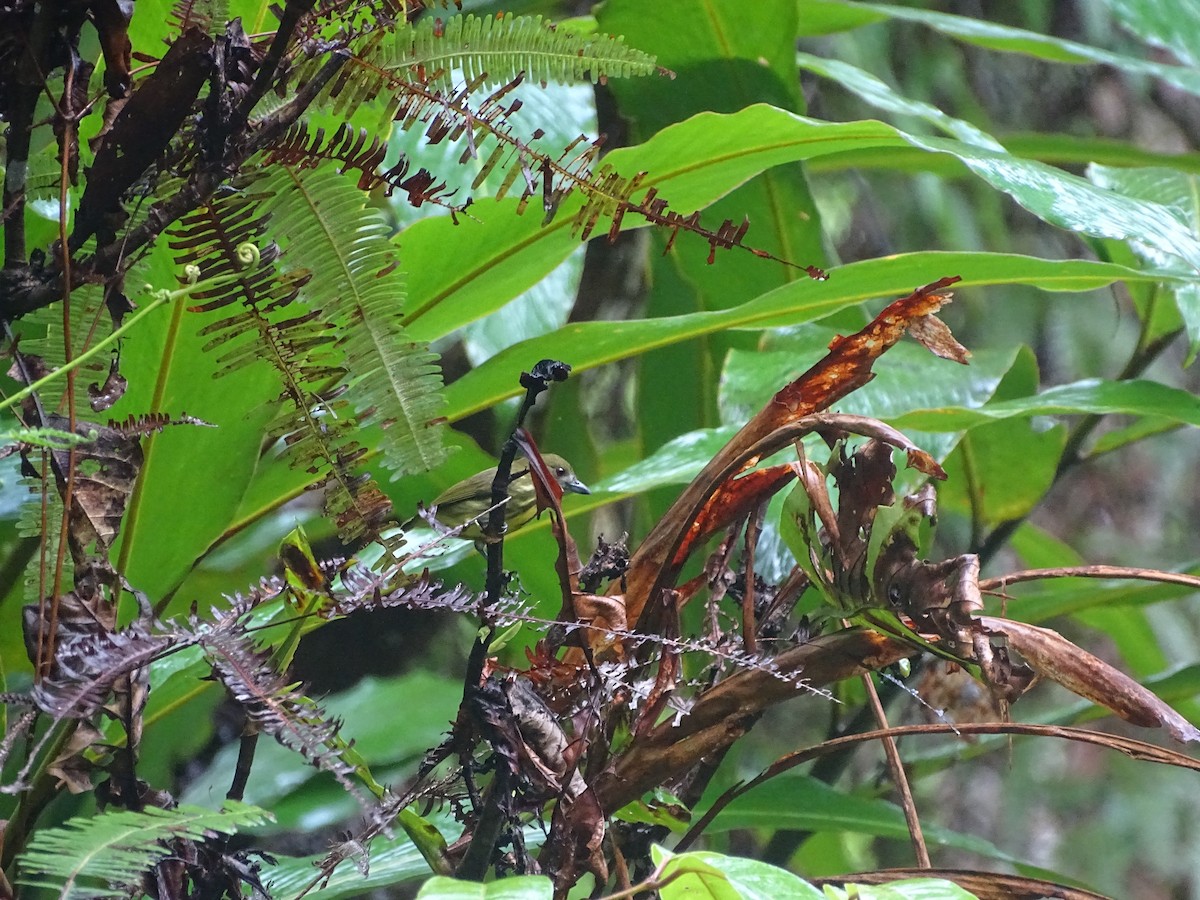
(1092, 397)
(713, 876)
(589, 344)
(995, 36)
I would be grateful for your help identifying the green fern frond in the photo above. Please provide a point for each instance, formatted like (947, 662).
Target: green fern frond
(497, 49)
(105, 855)
(90, 322)
(317, 432)
(39, 518)
(358, 286)
(48, 438)
(211, 15)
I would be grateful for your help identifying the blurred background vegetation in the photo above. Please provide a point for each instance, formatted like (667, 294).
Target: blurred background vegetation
(636, 429)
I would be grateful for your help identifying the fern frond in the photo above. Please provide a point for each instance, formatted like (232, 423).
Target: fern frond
(107, 854)
(300, 149)
(90, 322)
(39, 518)
(210, 15)
(357, 282)
(497, 49)
(48, 438)
(318, 433)
(88, 666)
(275, 706)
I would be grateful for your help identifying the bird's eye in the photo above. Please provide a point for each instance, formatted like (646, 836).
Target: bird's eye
(560, 471)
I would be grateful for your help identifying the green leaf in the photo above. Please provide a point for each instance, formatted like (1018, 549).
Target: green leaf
(158, 546)
(1001, 470)
(1181, 192)
(458, 273)
(739, 145)
(1091, 397)
(280, 774)
(818, 17)
(994, 36)
(521, 887)
(880, 95)
(328, 229)
(701, 875)
(1172, 25)
(118, 847)
(805, 803)
(586, 345)
(393, 861)
(732, 56)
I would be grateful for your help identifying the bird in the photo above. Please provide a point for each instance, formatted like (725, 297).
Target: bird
(472, 497)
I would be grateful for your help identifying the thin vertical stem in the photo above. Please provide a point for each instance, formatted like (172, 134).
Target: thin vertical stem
(898, 776)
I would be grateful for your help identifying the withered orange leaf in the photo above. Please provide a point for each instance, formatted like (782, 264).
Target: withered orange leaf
(845, 368)
(732, 501)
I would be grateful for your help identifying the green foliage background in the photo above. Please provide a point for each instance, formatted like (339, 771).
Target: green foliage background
(1041, 150)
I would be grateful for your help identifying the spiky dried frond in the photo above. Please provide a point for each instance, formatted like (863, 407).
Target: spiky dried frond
(357, 281)
(364, 588)
(148, 423)
(302, 148)
(497, 49)
(278, 708)
(382, 74)
(88, 667)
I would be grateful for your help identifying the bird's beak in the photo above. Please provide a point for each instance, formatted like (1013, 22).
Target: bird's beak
(576, 486)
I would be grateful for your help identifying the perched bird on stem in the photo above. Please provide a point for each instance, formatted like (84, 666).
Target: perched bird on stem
(472, 497)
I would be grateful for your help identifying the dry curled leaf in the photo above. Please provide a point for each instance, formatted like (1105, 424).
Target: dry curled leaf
(1053, 656)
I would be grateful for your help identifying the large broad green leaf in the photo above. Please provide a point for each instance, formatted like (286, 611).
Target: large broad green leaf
(758, 137)
(1001, 470)
(994, 36)
(521, 887)
(1038, 601)
(818, 17)
(1126, 626)
(1181, 192)
(203, 471)
(1090, 397)
(430, 703)
(880, 95)
(1170, 24)
(588, 344)
(732, 56)
(393, 861)
(806, 803)
(701, 875)
(484, 264)
(458, 273)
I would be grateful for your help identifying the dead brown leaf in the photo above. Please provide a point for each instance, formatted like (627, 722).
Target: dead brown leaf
(1053, 656)
(984, 885)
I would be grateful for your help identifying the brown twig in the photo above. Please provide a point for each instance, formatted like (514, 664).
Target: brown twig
(1134, 573)
(898, 776)
(1134, 749)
